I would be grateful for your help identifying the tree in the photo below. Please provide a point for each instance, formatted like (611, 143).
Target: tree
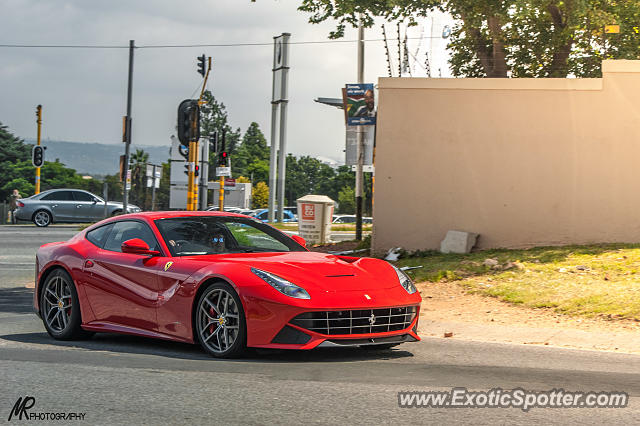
(138, 161)
(260, 195)
(517, 38)
(347, 200)
(253, 151)
(214, 118)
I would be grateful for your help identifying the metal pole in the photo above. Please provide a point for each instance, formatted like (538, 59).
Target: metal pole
(39, 121)
(282, 155)
(153, 189)
(105, 195)
(125, 192)
(282, 159)
(272, 163)
(204, 174)
(360, 139)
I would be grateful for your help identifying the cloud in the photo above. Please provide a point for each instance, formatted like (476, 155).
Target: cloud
(83, 91)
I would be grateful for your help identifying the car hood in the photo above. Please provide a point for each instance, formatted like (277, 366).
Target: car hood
(313, 271)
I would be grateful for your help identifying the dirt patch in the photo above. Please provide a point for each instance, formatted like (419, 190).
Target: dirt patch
(447, 309)
(447, 301)
(341, 246)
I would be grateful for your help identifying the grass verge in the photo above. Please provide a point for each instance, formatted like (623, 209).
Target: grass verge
(593, 280)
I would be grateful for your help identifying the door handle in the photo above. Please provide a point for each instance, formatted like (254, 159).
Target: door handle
(54, 206)
(78, 206)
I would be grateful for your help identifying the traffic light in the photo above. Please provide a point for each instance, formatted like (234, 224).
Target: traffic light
(37, 156)
(196, 172)
(201, 65)
(222, 152)
(188, 113)
(222, 158)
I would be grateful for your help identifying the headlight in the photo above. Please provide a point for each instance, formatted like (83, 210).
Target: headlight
(283, 286)
(405, 281)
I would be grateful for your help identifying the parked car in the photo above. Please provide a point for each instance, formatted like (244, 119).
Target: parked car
(349, 218)
(67, 205)
(263, 215)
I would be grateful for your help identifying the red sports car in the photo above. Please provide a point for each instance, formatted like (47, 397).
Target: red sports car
(224, 280)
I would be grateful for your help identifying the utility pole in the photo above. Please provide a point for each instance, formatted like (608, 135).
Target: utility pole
(204, 173)
(273, 156)
(153, 188)
(39, 121)
(360, 138)
(127, 130)
(279, 98)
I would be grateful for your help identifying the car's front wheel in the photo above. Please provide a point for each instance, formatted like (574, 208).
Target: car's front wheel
(220, 323)
(42, 218)
(60, 308)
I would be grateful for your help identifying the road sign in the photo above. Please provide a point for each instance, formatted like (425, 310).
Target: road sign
(229, 182)
(223, 171)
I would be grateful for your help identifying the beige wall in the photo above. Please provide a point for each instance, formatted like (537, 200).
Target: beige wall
(522, 162)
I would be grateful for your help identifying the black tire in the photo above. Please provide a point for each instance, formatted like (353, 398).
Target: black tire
(204, 322)
(42, 218)
(116, 213)
(61, 324)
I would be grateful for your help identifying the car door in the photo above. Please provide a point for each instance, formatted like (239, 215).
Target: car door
(61, 204)
(123, 287)
(87, 208)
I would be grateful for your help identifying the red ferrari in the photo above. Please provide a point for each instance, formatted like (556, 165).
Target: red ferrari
(224, 280)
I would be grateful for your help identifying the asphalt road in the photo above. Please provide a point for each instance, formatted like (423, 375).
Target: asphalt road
(130, 380)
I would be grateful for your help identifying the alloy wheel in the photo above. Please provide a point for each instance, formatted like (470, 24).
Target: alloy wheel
(218, 320)
(57, 304)
(42, 218)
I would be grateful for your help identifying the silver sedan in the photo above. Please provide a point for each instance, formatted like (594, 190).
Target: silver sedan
(67, 205)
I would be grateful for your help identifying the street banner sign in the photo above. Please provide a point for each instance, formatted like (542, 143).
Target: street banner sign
(368, 138)
(359, 104)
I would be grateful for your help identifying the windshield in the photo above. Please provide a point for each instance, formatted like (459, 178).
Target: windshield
(188, 236)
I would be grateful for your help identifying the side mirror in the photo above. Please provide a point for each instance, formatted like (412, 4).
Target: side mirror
(298, 239)
(137, 246)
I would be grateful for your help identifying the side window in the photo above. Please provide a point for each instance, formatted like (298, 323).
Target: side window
(82, 196)
(98, 236)
(58, 196)
(127, 230)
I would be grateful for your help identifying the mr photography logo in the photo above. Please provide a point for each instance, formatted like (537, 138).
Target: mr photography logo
(24, 409)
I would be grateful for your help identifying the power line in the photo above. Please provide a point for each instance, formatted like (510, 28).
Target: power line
(183, 46)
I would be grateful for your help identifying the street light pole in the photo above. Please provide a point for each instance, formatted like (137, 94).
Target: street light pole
(360, 139)
(127, 142)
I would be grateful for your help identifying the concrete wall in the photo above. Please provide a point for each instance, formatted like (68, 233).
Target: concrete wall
(522, 162)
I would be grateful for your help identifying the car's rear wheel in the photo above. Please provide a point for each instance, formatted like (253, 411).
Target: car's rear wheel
(60, 308)
(220, 323)
(42, 218)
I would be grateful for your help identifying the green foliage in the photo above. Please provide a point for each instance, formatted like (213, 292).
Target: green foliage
(139, 194)
(517, 38)
(214, 118)
(347, 200)
(260, 196)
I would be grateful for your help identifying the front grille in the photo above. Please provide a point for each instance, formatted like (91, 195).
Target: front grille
(361, 321)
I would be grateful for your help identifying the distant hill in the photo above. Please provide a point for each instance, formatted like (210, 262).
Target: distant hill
(96, 159)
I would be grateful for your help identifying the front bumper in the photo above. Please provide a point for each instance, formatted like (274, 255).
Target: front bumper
(276, 326)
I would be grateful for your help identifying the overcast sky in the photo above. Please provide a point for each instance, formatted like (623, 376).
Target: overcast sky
(83, 91)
